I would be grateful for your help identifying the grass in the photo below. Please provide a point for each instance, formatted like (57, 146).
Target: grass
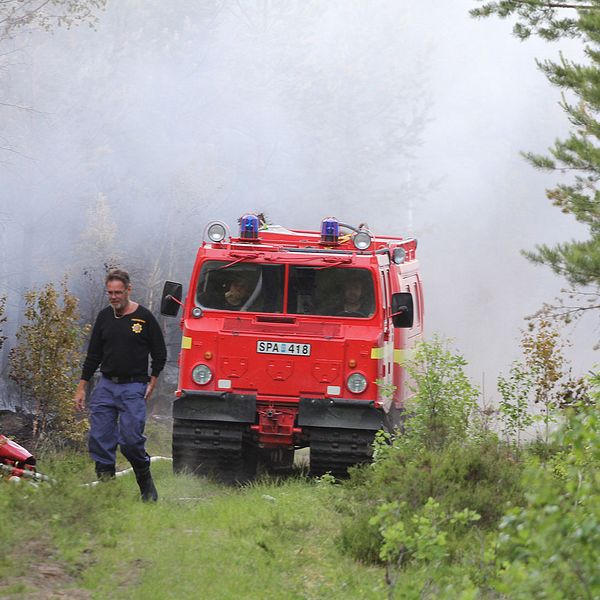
(268, 540)
(272, 539)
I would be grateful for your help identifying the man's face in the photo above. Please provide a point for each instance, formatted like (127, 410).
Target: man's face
(353, 292)
(238, 291)
(118, 294)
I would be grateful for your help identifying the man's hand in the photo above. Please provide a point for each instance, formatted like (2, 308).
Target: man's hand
(150, 387)
(79, 398)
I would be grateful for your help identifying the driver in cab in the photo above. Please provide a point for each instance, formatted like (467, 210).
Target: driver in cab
(354, 302)
(236, 295)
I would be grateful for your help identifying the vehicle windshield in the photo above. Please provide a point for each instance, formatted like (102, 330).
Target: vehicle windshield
(253, 287)
(247, 287)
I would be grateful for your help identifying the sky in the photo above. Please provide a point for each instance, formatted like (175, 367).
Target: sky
(409, 117)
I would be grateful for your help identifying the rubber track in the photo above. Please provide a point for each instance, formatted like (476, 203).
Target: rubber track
(334, 450)
(212, 448)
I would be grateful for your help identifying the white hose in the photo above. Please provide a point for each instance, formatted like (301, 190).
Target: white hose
(127, 471)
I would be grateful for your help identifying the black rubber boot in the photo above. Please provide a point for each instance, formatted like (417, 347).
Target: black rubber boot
(144, 480)
(105, 472)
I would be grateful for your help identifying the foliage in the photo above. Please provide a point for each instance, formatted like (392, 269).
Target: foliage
(549, 548)
(537, 17)
(471, 518)
(97, 252)
(97, 241)
(46, 360)
(435, 490)
(279, 539)
(543, 351)
(544, 378)
(578, 155)
(443, 397)
(19, 17)
(20, 14)
(2, 319)
(538, 379)
(482, 476)
(419, 536)
(514, 404)
(438, 455)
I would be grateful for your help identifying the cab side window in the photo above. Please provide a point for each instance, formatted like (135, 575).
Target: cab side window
(412, 285)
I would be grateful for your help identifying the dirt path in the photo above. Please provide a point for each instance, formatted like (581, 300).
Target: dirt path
(44, 577)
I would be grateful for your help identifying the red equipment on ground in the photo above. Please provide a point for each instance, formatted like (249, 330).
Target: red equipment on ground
(16, 462)
(292, 339)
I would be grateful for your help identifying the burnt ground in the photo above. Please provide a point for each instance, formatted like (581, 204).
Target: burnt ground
(17, 426)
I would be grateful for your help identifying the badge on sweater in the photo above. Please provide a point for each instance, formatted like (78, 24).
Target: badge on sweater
(136, 328)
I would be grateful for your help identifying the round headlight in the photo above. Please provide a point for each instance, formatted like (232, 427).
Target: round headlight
(362, 240)
(399, 255)
(356, 383)
(216, 232)
(201, 374)
(196, 312)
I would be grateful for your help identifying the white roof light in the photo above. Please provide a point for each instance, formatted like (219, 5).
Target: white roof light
(362, 240)
(399, 255)
(216, 231)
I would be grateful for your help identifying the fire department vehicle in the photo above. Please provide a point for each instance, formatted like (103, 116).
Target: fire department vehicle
(292, 339)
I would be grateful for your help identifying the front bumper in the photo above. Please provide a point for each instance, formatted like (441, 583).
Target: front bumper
(215, 406)
(312, 412)
(345, 414)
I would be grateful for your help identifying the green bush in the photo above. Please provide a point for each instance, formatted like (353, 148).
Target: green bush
(439, 457)
(453, 512)
(549, 548)
(443, 398)
(482, 477)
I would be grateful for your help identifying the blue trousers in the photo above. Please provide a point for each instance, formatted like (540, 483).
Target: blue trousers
(118, 417)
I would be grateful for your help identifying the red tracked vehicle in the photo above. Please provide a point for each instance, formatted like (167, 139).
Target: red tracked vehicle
(292, 339)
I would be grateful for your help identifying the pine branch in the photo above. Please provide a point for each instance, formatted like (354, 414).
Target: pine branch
(535, 4)
(25, 108)
(565, 313)
(555, 5)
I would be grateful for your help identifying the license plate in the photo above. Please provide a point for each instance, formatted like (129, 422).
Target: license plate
(292, 348)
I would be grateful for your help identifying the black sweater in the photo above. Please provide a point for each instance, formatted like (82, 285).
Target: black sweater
(121, 345)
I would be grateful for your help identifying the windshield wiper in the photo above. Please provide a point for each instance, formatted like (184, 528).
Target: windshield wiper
(335, 262)
(238, 260)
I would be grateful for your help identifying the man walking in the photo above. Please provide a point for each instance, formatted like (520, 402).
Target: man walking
(124, 334)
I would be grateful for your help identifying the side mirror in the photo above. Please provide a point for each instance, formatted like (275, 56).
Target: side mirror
(402, 310)
(171, 299)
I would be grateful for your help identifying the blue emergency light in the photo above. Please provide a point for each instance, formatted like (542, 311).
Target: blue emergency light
(249, 227)
(330, 230)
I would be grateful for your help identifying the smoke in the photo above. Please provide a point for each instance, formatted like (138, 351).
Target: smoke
(410, 118)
